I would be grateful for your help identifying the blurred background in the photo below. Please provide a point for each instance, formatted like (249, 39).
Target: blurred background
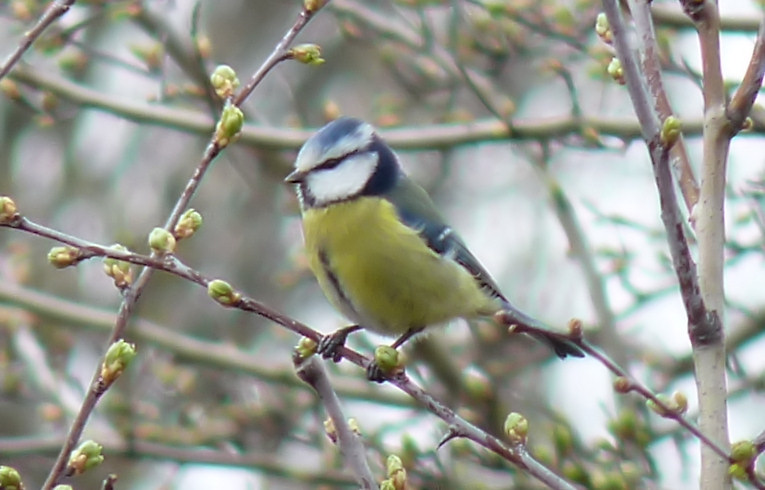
(105, 120)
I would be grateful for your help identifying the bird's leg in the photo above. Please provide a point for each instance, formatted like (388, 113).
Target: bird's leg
(374, 372)
(330, 344)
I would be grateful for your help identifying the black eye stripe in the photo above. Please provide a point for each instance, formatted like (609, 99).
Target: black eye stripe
(334, 162)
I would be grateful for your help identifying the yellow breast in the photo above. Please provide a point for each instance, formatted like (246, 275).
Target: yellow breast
(380, 274)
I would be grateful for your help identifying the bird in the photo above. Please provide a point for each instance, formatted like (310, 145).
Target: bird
(381, 251)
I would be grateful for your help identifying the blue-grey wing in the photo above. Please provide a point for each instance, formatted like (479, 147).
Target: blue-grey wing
(418, 212)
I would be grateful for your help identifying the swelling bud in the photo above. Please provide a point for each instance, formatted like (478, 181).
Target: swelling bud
(516, 428)
(86, 456)
(229, 125)
(223, 293)
(161, 241)
(224, 81)
(189, 223)
(61, 257)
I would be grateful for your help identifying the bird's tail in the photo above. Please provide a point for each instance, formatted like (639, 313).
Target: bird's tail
(560, 343)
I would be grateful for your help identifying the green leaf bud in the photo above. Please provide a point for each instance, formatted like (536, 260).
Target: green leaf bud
(306, 347)
(8, 211)
(229, 125)
(603, 28)
(396, 472)
(677, 404)
(743, 452)
(353, 424)
(189, 223)
(310, 54)
(161, 241)
(516, 428)
(671, 131)
(116, 360)
(63, 487)
(616, 71)
(118, 270)
(224, 81)
(223, 293)
(387, 359)
(10, 479)
(738, 472)
(86, 456)
(387, 485)
(330, 430)
(61, 257)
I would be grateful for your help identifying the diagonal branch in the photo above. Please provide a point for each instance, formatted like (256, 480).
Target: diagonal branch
(743, 99)
(53, 12)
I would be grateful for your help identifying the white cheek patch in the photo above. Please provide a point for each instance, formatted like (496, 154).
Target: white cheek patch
(344, 181)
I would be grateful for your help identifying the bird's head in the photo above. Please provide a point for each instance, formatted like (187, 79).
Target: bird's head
(344, 160)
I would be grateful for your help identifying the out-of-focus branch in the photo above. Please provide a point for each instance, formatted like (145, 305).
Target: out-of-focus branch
(53, 12)
(137, 448)
(213, 354)
(312, 371)
(743, 99)
(668, 15)
(437, 136)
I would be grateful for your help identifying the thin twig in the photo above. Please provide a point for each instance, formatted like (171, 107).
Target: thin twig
(743, 99)
(53, 12)
(641, 13)
(312, 371)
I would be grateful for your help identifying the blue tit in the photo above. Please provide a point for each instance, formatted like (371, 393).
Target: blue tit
(380, 249)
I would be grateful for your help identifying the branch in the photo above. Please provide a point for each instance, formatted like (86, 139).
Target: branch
(312, 371)
(53, 12)
(707, 339)
(705, 327)
(743, 99)
(151, 450)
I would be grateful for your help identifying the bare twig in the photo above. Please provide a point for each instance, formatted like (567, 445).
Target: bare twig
(312, 371)
(53, 12)
(641, 13)
(743, 99)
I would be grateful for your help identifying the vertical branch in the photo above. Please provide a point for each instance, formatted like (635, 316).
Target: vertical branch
(641, 13)
(705, 327)
(708, 339)
(312, 371)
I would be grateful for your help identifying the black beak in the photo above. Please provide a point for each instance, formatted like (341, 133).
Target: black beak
(296, 177)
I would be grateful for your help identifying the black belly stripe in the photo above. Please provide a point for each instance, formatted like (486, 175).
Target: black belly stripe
(334, 281)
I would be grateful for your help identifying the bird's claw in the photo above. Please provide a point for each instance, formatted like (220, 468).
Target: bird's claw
(329, 345)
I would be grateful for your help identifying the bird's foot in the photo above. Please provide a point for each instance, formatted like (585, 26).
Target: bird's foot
(375, 372)
(329, 346)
